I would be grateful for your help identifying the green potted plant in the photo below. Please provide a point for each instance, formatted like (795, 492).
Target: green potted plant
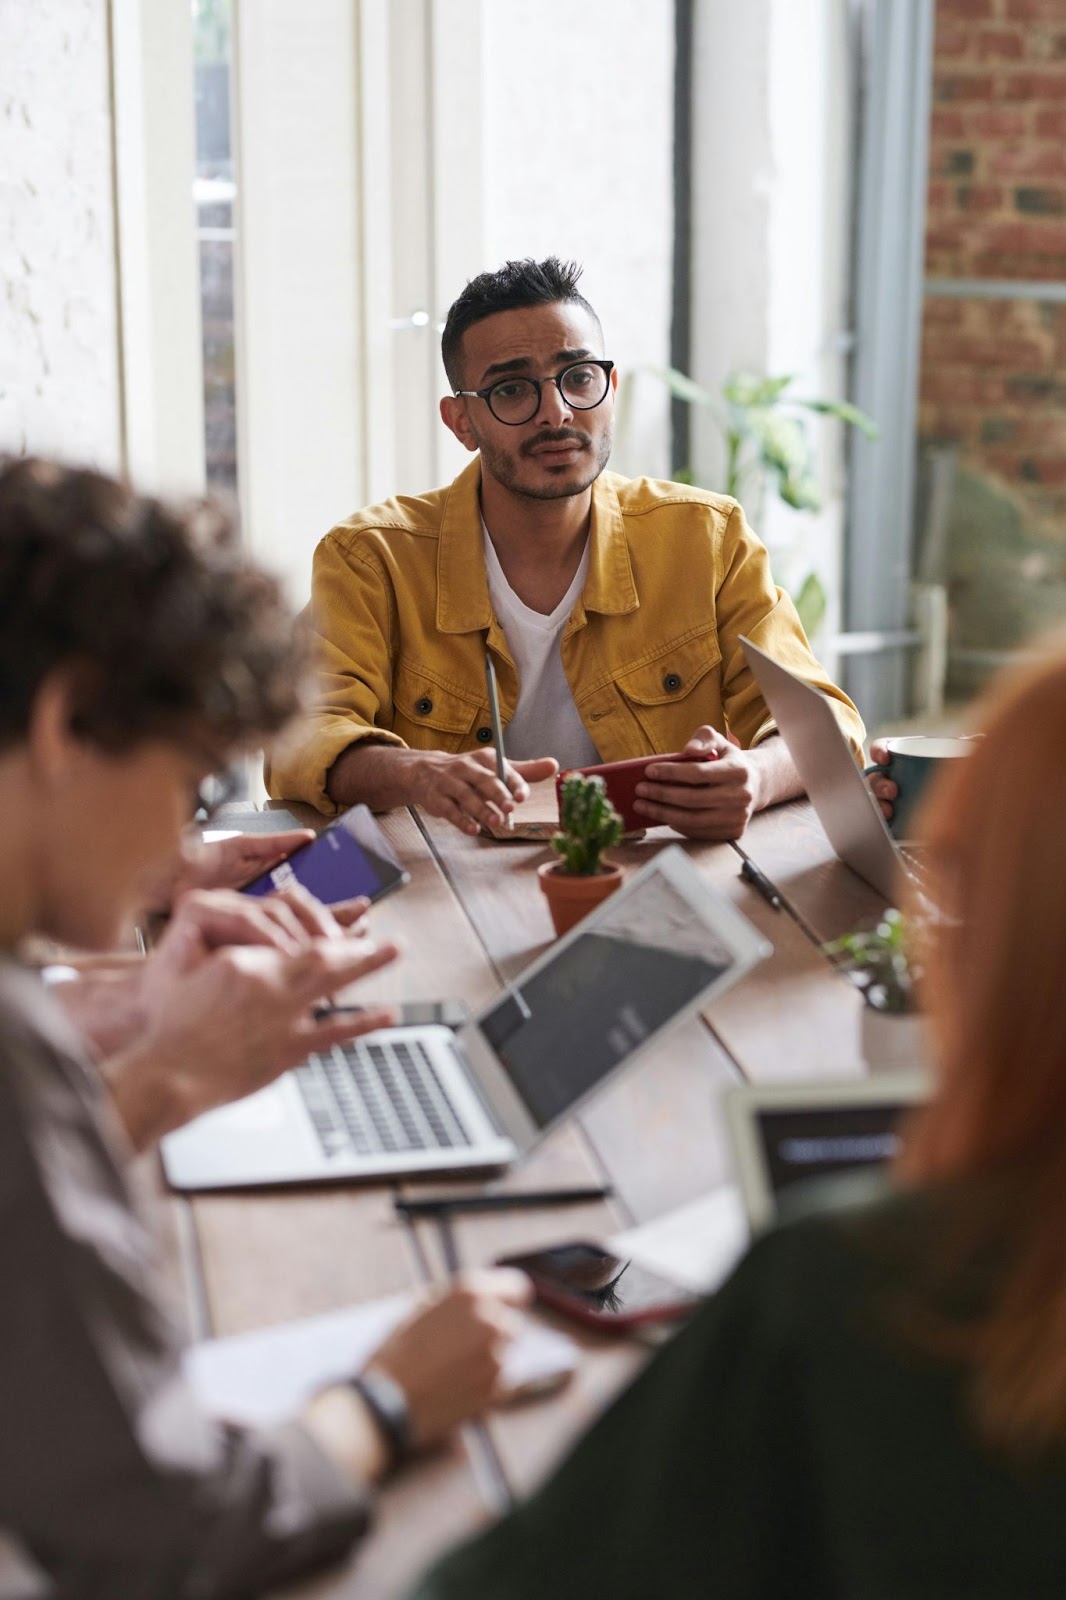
(881, 962)
(589, 826)
(767, 442)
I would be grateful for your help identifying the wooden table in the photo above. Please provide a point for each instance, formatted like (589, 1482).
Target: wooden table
(472, 916)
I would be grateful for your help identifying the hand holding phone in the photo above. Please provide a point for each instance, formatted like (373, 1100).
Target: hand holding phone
(350, 858)
(620, 779)
(591, 1284)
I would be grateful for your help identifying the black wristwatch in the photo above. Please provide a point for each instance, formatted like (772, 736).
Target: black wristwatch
(387, 1404)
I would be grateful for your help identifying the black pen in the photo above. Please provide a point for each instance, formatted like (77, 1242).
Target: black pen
(497, 726)
(520, 1200)
(761, 884)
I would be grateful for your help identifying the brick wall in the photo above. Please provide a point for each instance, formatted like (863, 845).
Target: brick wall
(994, 371)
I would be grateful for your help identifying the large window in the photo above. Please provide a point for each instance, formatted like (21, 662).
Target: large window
(214, 192)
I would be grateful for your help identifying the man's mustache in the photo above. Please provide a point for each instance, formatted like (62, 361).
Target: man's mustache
(555, 436)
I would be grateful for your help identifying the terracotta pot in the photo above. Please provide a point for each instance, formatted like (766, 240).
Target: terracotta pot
(893, 1041)
(572, 895)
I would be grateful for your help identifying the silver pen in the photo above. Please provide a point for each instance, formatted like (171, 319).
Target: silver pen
(497, 727)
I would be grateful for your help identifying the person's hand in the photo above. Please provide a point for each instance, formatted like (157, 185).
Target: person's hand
(110, 1006)
(884, 790)
(709, 798)
(208, 919)
(219, 864)
(465, 790)
(447, 1359)
(221, 1023)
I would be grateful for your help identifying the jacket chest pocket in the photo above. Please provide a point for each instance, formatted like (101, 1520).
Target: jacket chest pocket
(428, 716)
(673, 694)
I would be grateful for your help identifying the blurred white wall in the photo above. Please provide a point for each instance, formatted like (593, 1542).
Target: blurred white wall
(455, 133)
(59, 359)
(771, 236)
(578, 162)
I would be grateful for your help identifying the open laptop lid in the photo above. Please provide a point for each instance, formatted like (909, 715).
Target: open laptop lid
(837, 789)
(787, 1133)
(655, 951)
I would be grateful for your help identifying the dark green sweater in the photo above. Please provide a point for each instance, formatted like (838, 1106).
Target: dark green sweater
(791, 1442)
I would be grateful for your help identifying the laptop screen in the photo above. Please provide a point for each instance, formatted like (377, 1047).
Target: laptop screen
(800, 1143)
(577, 1017)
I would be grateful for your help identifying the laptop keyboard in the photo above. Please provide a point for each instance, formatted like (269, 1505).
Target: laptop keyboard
(372, 1098)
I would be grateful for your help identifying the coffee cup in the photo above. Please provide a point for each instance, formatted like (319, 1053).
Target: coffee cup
(912, 762)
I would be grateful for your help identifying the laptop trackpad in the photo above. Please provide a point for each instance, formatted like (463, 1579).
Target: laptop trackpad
(259, 1113)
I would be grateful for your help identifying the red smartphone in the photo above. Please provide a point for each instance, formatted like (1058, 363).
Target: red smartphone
(620, 780)
(592, 1285)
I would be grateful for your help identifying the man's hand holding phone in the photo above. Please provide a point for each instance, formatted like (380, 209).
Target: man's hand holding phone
(710, 793)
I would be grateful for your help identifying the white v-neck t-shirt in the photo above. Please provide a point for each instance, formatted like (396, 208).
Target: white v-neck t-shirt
(546, 720)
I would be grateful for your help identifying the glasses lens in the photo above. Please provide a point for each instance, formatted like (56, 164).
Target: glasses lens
(584, 386)
(513, 400)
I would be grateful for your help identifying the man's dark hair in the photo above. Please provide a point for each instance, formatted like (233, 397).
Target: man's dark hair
(171, 633)
(510, 288)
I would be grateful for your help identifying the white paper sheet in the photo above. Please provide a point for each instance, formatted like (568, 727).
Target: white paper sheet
(697, 1245)
(267, 1376)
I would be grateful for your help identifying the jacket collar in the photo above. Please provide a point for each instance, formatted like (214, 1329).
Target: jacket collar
(463, 604)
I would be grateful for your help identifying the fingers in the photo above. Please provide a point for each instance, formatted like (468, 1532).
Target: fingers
(261, 846)
(229, 863)
(325, 1033)
(885, 791)
(708, 739)
(327, 965)
(536, 771)
(695, 774)
(307, 914)
(696, 797)
(502, 1283)
(351, 914)
(224, 917)
(469, 794)
(723, 825)
(722, 785)
(884, 788)
(702, 800)
(879, 750)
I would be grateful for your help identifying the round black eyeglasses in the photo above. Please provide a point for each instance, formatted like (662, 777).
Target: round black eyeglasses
(583, 385)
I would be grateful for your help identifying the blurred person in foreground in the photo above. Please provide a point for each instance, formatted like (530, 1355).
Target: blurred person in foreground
(875, 1403)
(138, 653)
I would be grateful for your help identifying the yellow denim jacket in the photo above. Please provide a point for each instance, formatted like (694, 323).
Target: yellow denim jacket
(400, 616)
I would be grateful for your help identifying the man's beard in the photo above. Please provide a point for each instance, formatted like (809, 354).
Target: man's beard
(507, 472)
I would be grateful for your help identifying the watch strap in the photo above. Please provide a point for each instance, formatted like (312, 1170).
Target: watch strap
(387, 1404)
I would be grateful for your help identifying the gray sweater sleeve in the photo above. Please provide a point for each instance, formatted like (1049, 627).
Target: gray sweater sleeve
(111, 1477)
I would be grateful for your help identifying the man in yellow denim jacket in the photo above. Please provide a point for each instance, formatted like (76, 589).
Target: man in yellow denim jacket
(613, 608)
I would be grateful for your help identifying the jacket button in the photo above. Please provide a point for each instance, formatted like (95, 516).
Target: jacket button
(424, 706)
(484, 736)
(671, 682)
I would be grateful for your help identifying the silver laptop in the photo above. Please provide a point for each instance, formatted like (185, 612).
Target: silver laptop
(783, 1134)
(834, 783)
(430, 1100)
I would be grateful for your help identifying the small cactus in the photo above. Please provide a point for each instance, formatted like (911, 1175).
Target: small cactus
(590, 825)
